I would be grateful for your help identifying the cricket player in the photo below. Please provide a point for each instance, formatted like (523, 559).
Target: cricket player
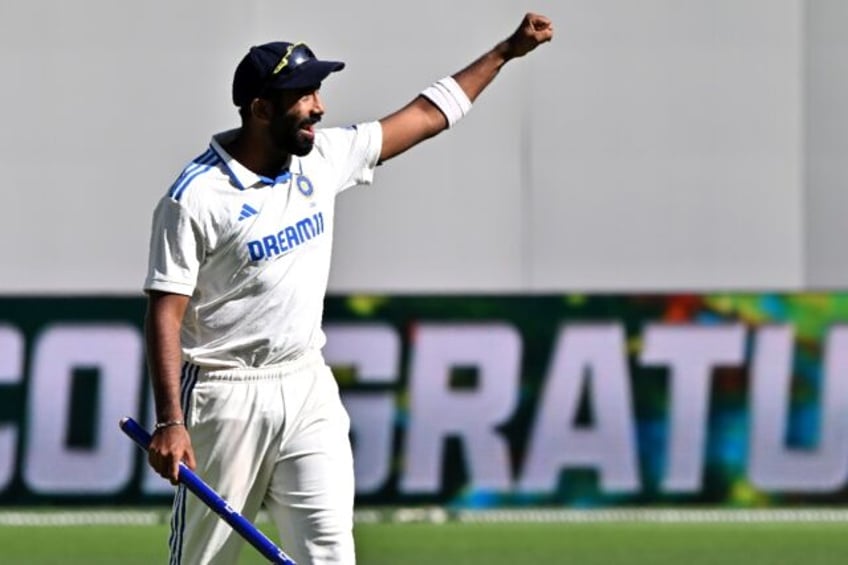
(238, 268)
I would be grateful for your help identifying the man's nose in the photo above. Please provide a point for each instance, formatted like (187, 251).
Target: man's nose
(318, 105)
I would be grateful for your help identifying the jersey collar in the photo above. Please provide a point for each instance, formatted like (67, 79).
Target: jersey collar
(240, 175)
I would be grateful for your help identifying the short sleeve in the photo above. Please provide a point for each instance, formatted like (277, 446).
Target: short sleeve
(176, 250)
(353, 152)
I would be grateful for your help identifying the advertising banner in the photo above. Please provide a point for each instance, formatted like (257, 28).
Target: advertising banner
(479, 401)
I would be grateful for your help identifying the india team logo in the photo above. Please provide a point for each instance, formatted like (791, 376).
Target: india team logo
(304, 185)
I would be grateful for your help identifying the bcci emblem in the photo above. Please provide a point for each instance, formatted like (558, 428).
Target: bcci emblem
(304, 185)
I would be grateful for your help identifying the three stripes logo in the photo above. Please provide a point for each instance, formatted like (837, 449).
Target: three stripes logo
(196, 168)
(246, 212)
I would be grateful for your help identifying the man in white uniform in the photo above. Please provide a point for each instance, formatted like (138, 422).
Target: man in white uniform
(239, 260)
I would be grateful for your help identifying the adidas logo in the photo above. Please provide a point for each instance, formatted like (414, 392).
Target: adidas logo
(246, 212)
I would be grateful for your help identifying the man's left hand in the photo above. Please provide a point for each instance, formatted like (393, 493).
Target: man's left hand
(534, 30)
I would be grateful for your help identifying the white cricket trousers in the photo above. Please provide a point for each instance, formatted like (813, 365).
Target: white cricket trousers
(278, 437)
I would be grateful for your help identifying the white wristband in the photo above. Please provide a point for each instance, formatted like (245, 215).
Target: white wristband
(449, 98)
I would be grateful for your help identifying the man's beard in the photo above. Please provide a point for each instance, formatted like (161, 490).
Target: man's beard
(289, 136)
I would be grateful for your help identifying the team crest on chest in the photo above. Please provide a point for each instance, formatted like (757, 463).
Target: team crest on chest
(304, 185)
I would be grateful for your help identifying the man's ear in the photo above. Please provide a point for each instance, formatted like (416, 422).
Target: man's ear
(261, 109)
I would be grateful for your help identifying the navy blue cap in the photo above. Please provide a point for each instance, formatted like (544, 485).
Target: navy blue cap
(278, 65)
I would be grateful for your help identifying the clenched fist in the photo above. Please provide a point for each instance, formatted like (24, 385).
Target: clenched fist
(534, 30)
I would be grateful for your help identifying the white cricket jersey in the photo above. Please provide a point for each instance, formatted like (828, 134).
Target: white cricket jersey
(253, 253)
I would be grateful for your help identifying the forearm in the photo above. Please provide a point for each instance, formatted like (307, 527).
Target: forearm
(442, 104)
(478, 75)
(423, 118)
(170, 445)
(164, 358)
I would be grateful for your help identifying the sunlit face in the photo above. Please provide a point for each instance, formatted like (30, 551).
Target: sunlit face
(295, 114)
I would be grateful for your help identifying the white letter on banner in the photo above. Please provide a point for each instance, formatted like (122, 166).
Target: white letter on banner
(374, 352)
(11, 372)
(50, 466)
(692, 353)
(773, 466)
(437, 413)
(584, 353)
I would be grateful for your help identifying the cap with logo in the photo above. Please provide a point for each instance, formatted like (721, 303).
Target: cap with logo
(278, 65)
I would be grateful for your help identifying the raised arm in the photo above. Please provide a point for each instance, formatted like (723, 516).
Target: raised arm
(422, 119)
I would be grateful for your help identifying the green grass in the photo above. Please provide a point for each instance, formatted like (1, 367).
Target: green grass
(475, 544)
